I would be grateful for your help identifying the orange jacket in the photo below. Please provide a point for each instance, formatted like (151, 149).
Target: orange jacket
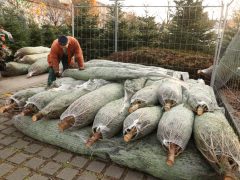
(56, 53)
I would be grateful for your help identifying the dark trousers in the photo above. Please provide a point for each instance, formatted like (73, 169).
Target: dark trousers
(51, 74)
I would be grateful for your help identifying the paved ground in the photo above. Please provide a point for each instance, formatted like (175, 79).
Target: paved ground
(11, 84)
(22, 157)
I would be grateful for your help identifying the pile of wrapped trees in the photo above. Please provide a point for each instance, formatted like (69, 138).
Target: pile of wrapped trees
(139, 116)
(28, 60)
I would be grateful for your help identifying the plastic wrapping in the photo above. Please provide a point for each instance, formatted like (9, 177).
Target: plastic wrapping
(145, 120)
(58, 105)
(202, 95)
(131, 86)
(30, 59)
(108, 63)
(148, 96)
(114, 73)
(170, 91)
(65, 80)
(109, 119)
(39, 67)
(218, 143)
(21, 96)
(15, 69)
(86, 107)
(176, 126)
(42, 99)
(31, 50)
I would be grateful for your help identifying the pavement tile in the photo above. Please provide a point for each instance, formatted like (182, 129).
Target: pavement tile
(133, 175)
(50, 168)
(34, 163)
(3, 119)
(2, 127)
(27, 138)
(1, 146)
(79, 161)
(20, 144)
(87, 176)
(2, 135)
(63, 157)
(38, 177)
(5, 153)
(19, 158)
(96, 166)
(17, 134)
(9, 122)
(8, 140)
(47, 152)
(33, 148)
(19, 174)
(5, 168)
(114, 171)
(67, 173)
(8, 130)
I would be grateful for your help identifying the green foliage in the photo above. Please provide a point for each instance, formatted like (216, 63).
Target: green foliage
(190, 28)
(14, 22)
(49, 33)
(232, 27)
(87, 30)
(25, 31)
(149, 31)
(35, 34)
(133, 31)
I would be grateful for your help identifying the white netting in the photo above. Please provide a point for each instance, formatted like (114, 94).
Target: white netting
(40, 100)
(15, 69)
(39, 67)
(216, 140)
(148, 96)
(175, 126)
(108, 63)
(200, 94)
(86, 107)
(31, 50)
(145, 120)
(93, 84)
(65, 80)
(30, 59)
(109, 119)
(58, 105)
(170, 91)
(115, 73)
(131, 86)
(21, 96)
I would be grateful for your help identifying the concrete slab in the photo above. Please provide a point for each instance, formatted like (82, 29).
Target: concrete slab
(10, 84)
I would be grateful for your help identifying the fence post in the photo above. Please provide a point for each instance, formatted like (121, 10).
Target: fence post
(72, 19)
(116, 25)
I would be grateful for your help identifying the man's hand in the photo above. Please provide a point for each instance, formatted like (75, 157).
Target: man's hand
(81, 68)
(58, 74)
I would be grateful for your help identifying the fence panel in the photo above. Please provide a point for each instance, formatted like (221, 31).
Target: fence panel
(150, 34)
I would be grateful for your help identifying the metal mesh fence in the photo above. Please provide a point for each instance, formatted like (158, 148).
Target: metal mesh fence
(176, 37)
(226, 72)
